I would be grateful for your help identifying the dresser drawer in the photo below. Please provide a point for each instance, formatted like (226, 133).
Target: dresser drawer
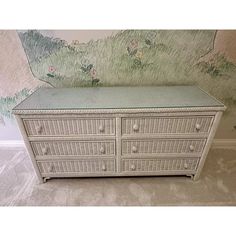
(158, 165)
(69, 126)
(76, 166)
(152, 146)
(166, 125)
(74, 148)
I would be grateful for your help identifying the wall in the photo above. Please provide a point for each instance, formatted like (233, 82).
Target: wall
(55, 58)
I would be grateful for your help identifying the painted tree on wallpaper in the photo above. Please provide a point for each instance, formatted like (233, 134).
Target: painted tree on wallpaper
(16, 79)
(130, 57)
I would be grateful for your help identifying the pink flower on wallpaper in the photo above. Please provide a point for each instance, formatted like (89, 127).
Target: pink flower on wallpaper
(51, 69)
(93, 73)
(134, 44)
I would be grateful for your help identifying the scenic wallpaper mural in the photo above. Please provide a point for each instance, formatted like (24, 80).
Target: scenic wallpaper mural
(51, 58)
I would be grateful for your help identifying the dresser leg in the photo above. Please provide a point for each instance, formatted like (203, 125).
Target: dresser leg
(191, 176)
(196, 177)
(45, 179)
(40, 181)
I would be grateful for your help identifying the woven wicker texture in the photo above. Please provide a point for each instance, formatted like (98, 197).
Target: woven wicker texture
(162, 146)
(75, 148)
(151, 125)
(76, 166)
(155, 165)
(69, 126)
(170, 135)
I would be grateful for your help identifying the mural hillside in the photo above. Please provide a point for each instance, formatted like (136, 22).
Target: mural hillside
(130, 58)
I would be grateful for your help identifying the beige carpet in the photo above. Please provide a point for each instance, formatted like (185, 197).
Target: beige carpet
(217, 186)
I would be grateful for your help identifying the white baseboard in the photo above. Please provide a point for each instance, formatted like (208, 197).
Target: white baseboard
(12, 144)
(217, 143)
(224, 143)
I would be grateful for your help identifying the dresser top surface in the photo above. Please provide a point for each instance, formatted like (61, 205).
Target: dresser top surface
(118, 98)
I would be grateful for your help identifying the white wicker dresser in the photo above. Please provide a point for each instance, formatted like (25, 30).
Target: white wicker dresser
(118, 131)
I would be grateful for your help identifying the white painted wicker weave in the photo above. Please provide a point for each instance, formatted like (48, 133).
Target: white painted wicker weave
(162, 146)
(74, 148)
(167, 125)
(69, 126)
(155, 165)
(75, 166)
(121, 141)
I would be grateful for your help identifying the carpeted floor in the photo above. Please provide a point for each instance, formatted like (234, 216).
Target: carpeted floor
(217, 186)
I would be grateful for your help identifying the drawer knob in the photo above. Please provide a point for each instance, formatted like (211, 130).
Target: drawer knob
(133, 167)
(102, 150)
(101, 128)
(191, 147)
(39, 129)
(198, 127)
(134, 149)
(104, 167)
(50, 168)
(135, 127)
(185, 165)
(45, 150)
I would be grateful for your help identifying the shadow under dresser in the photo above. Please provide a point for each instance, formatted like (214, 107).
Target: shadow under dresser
(118, 131)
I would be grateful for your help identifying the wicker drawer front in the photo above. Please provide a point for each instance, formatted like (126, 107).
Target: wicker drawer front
(134, 147)
(76, 166)
(74, 148)
(166, 125)
(155, 165)
(70, 126)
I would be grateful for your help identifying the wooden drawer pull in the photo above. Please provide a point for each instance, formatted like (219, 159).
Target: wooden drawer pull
(39, 129)
(101, 128)
(185, 165)
(45, 150)
(133, 167)
(134, 149)
(135, 127)
(191, 147)
(102, 150)
(104, 167)
(198, 127)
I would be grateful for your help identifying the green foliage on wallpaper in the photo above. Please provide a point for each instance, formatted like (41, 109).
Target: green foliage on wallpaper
(38, 46)
(217, 66)
(7, 103)
(132, 57)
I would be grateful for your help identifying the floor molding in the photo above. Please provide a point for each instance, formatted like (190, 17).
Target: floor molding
(217, 143)
(224, 143)
(12, 144)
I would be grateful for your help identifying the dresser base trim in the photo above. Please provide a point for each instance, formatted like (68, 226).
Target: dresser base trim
(122, 174)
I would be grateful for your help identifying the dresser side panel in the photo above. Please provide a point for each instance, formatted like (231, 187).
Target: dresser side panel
(28, 147)
(208, 144)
